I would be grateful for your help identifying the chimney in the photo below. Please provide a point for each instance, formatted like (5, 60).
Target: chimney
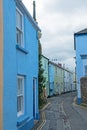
(34, 10)
(59, 64)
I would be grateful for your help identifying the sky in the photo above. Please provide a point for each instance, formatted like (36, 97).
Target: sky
(59, 20)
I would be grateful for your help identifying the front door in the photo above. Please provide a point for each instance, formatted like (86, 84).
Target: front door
(34, 97)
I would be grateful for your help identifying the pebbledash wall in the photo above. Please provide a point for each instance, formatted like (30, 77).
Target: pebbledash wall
(1, 62)
(18, 61)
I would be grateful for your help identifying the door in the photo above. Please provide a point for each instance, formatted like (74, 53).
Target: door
(34, 97)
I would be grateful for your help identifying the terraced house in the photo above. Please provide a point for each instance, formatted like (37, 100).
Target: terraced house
(51, 78)
(18, 67)
(80, 46)
(60, 79)
(45, 62)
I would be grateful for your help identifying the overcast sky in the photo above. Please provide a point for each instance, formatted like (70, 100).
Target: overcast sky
(59, 20)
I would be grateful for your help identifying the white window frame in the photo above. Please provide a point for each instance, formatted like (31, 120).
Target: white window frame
(20, 93)
(21, 30)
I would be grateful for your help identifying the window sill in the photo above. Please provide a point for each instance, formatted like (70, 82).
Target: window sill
(21, 49)
(22, 120)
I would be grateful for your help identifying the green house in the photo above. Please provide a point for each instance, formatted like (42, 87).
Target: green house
(45, 62)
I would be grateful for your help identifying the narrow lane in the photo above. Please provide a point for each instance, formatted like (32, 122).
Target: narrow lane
(77, 121)
(61, 114)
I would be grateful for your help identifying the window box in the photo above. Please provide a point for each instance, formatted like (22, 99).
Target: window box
(22, 120)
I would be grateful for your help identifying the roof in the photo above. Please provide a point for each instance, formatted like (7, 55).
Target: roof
(44, 57)
(57, 65)
(84, 31)
(20, 4)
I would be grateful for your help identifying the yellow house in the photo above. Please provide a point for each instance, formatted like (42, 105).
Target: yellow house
(60, 81)
(57, 78)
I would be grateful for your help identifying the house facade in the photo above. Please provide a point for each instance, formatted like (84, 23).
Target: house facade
(68, 81)
(60, 79)
(19, 62)
(56, 90)
(51, 78)
(1, 64)
(45, 62)
(74, 80)
(80, 46)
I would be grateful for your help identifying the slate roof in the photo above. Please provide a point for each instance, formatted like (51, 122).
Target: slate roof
(55, 64)
(84, 31)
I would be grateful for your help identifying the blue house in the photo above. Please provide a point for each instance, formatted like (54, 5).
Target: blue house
(19, 61)
(51, 78)
(1, 64)
(80, 46)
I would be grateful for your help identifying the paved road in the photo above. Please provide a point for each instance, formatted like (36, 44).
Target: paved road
(61, 114)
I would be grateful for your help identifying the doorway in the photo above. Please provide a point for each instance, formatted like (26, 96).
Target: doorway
(34, 96)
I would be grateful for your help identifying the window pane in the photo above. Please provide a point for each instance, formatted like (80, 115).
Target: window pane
(19, 37)
(20, 104)
(19, 20)
(19, 28)
(20, 86)
(20, 95)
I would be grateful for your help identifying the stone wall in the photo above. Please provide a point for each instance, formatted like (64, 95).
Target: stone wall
(83, 82)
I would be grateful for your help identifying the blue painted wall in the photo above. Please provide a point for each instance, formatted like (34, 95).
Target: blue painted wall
(18, 62)
(10, 68)
(27, 64)
(51, 79)
(81, 49)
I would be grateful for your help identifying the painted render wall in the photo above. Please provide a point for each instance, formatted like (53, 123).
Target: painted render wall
(17, 62)
(56, 78)
(45, 67)
(1, 64)
(61, 81)
(81, 49)
(51, 79)
(27, 64)
(68, 79)
(10, 68)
